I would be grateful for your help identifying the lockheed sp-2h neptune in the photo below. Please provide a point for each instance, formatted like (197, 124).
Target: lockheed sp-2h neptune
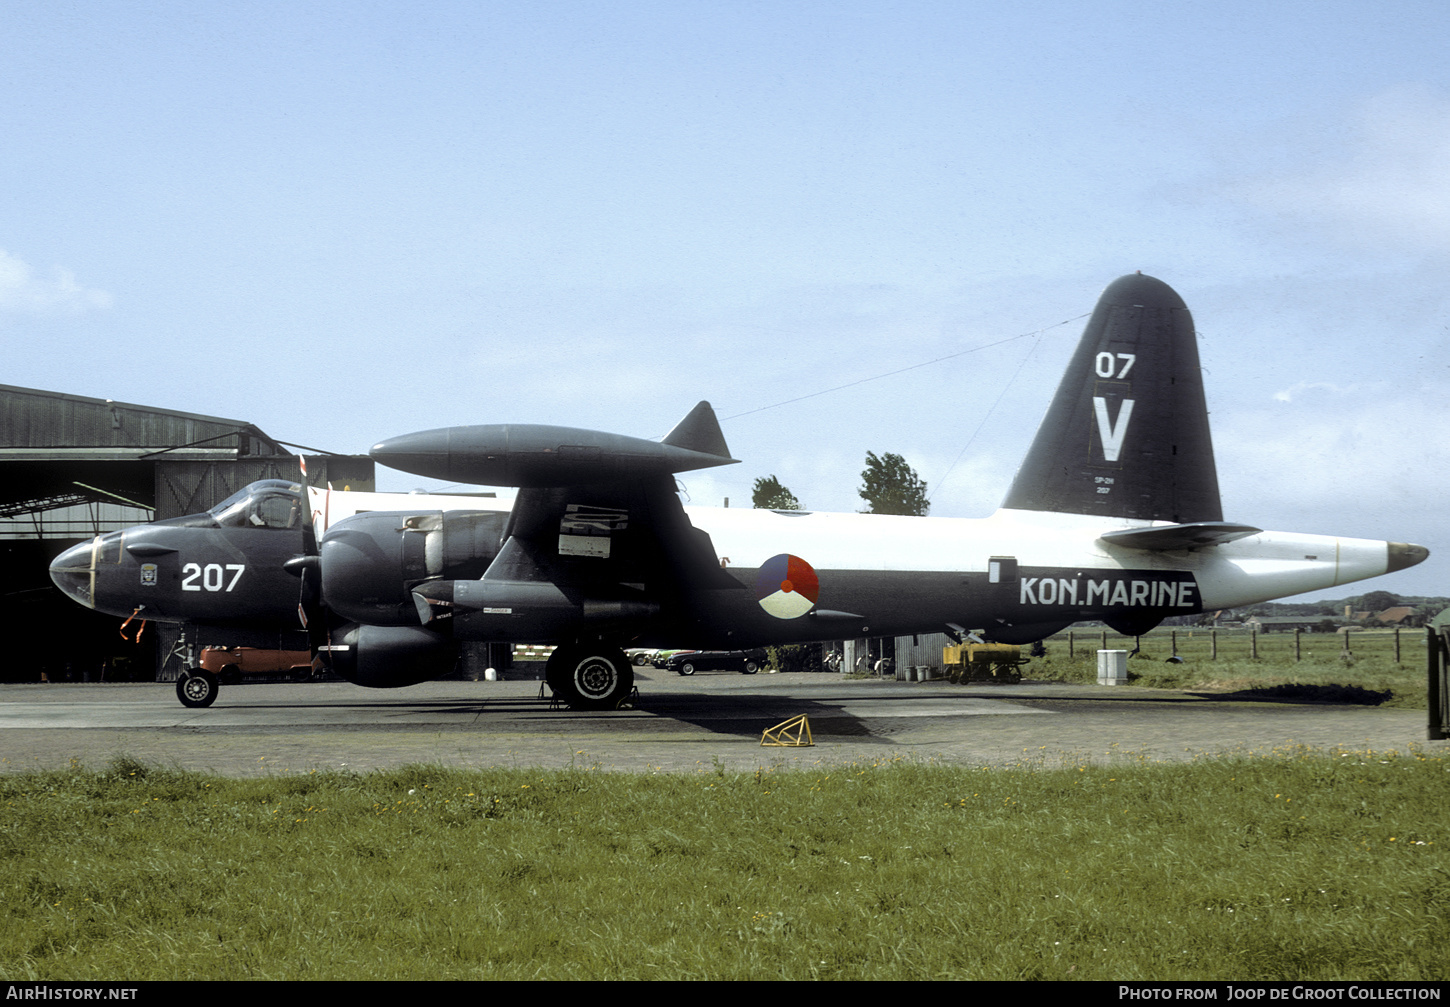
(1114, 515)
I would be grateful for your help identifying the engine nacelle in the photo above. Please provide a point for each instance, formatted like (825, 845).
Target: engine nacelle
(389, 657)
(371, 562)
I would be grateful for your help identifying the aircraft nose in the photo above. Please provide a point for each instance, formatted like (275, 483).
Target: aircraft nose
(73, 572)
(1403, 555)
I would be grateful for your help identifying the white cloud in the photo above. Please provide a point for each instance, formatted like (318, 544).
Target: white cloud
(22, 291)
(1300, 388)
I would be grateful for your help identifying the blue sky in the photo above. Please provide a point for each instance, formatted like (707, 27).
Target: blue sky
(348, 221)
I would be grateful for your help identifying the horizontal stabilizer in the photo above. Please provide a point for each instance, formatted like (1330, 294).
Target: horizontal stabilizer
(1179, 536)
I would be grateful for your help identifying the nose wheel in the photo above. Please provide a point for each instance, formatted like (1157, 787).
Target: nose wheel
(197, 688)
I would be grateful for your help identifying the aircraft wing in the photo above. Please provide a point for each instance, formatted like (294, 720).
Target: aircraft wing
(596, 533)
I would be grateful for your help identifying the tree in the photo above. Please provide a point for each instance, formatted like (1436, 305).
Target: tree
(1377, 601)
(890, 486)
(769, 494)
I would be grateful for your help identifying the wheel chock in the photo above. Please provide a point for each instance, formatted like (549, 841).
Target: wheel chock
(793, 733)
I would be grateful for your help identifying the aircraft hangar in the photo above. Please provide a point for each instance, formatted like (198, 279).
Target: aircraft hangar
(72, 467)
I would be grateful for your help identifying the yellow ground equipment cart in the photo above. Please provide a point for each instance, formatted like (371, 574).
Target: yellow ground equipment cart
(983, 662)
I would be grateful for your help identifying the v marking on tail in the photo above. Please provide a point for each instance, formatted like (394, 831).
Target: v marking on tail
(1112, 434)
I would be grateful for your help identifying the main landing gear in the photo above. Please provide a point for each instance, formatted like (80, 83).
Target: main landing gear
(588, 677)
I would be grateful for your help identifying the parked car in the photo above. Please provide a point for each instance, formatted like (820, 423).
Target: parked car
(687, 662)
(231, 664)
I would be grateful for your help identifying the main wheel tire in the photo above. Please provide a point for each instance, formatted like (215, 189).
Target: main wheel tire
(687, 669)
(751, 667)
(198, 688)
(589, 678)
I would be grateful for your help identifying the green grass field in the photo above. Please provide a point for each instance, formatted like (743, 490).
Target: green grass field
(1282, 865)
(1368, 673)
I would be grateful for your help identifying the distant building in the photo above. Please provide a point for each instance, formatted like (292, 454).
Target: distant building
(1284, 623)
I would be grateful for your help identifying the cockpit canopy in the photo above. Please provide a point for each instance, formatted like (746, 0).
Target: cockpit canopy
(269, 503)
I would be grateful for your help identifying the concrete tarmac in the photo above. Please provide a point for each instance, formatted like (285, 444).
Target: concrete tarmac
(679, 725)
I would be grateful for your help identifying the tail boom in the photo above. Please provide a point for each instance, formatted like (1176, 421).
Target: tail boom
(1278, 564)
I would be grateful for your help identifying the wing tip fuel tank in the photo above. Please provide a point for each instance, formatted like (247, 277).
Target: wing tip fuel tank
(539, 455)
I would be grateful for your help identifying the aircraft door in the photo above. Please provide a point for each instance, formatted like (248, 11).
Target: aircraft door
(1002, 585)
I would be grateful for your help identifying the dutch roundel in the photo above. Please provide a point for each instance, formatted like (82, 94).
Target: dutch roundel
(786, 586)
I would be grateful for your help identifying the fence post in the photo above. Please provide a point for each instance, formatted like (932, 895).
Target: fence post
(1397, 645)
(1105, 640)
(1254, 644)
(1435, 687)
(1213, 645)
(1070, 653)
(1296, 643)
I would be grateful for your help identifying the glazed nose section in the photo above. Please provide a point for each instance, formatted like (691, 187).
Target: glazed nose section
(74, 573)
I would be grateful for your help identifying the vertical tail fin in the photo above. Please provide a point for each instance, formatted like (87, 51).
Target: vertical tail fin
(699, 431)
(1127, 433)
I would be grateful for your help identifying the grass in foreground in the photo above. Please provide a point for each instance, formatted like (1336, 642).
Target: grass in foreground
(1292, 865)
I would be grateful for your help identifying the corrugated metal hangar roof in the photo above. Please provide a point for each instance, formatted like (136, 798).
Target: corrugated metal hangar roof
(54, 425)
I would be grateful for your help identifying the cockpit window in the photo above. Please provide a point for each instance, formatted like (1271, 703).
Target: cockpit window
(240, 495)
(108, 548)
(275, 511)
(273, 504)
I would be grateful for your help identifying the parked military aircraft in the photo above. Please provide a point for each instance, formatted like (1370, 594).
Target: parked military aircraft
(1114, 515)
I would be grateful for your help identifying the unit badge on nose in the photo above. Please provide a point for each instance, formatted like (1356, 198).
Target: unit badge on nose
(148, 574)
(787, 586)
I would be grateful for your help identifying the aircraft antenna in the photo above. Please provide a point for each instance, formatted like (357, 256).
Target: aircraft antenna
(988, 414)
(903, 370)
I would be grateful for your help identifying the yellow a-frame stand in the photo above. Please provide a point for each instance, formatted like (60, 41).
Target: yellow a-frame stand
(793, 733)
